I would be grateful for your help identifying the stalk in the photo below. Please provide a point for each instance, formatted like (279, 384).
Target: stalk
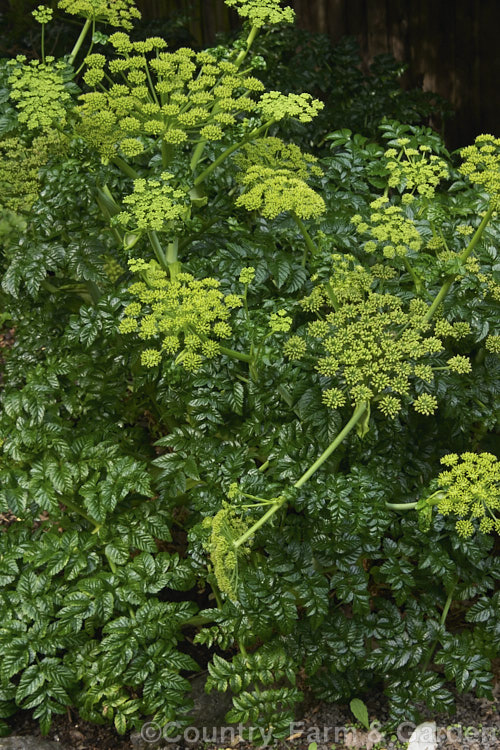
(158, 250)
(310, 246)
(236, 355)
(417, 283)
(401, 506)
(249, 41)
(462, 258)
(198, 152)
(359, 411)
(125, 168)
(42, 46)
(442, 621)
(254, 133)
(79, 41)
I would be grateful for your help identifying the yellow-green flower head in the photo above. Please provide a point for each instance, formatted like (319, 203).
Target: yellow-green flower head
(415, 170)
(294, 348)
(460, 364)
(260, 12)
(373, 349)
(275, 191)
(43, 14)
(150, 358)
(391, 232)
(115, 12)
(349, 282)
(425, 404)
(493, 344)
(470, 489)
(173, 97)
(20, 168)
(154, 205)
(482, 165)
(334, 398)
(389, 406)
(276, 106)
(39, 93)
(185, 315)
(280, 322)
(247, 275)
(275, 153)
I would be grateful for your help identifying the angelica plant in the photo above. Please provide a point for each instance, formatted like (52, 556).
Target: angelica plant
(468, 488)
(251, 400)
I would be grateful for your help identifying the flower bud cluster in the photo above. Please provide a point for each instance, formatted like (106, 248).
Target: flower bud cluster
(493, 344)
(187, 316)
(482, 165)
(372, 350)
(276, 154)
(276, 106)
(391, 231)
(273, 191)
(43, 14)
(38, 92)
(349, 282)
(173, 96)
(154, 205)
(415, 169)
(470, 489)
(260, 12)
(120, 13)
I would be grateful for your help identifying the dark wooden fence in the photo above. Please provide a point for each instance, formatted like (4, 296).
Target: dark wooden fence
(451, 47)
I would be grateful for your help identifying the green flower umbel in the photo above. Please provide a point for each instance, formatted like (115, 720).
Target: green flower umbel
(186, 316)
(115, 12)
(470, 489)
(275, 191)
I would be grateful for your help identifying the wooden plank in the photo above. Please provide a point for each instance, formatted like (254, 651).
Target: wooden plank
(450, 48)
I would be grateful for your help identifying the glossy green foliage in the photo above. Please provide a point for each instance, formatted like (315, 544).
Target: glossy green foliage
(236, 369)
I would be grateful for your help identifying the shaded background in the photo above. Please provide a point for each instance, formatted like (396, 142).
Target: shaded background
(451, 48)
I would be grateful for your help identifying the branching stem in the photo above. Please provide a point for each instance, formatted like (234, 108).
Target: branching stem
(310, 246)
(462, 258)
(253, 134)
(79, 41)
(359, 411)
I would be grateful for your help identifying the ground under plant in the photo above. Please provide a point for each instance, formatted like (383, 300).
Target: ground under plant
(249, 417)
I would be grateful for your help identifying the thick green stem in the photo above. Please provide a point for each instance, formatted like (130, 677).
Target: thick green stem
(253, 134)
(417, 283)
(357, 414)
(197, 154)
(125, 168)
(462, 258)
(173, 251)
(250, 40)
(262, 520)
(235, 355)
(79, 41)
(310, 246)
(401, 506)
(359, 411)
(72, 506)
(442, 621)
(167, 152)
(158, 250)
(43, 43)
